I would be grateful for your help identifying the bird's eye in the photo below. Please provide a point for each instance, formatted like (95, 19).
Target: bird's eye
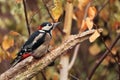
(50, 24)
(46, 24)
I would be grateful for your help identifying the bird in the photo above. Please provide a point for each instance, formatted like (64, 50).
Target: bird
(37, 44)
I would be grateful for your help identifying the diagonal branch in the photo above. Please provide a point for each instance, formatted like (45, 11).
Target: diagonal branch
(102, 7)
(29, 67)
(48, 10)
(102, 58)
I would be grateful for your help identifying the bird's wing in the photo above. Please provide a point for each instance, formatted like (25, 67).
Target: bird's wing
(34, 41)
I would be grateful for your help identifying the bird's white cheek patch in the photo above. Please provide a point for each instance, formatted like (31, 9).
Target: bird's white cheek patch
(47, 27)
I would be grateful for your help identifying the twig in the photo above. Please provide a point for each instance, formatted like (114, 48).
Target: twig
(33, 16)
(75, 78)
(43, 74)
(86, 12)
(103, 6)
(48, 10)
(86, 9)
(26, 18)
(74, 56)
(108, 48)
(29, 67)
(102, 58)
(101, 36)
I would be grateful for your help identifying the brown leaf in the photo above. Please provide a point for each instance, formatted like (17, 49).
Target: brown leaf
(94, 49)
(13, 33)
(86, 24)
(0, 59)
(89, 23)
(57, 10)
(83, 26)
(106, 61)
(1, 52)
(13, 54)
(80, 11)
(92, 12)
(7, 42)
(94, 36)
(116, 26)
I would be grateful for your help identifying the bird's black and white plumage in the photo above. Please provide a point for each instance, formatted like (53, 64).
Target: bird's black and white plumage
(37, 44)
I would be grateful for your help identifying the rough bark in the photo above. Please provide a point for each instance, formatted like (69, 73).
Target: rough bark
(29, 67)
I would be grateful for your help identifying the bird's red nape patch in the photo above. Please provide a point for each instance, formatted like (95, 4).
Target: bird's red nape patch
(39, 27)
(26, 55)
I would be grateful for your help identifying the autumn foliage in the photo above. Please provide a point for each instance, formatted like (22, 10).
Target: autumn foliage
(86, 15)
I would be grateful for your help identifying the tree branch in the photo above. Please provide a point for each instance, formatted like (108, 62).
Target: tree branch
(26, 18)
(102, 7)
(29, 67)
(102, 58)
(48, 10)
(86, 9)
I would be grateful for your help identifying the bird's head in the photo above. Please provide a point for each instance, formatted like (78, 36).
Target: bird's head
(47, 26)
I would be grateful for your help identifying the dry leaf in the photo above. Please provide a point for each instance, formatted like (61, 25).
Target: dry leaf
(7, 42)
(74, 17)
(13, 33)
(86, 24)
(13, 54)
(116, 26)
(118, 31)
(89, 23)
(115, 50)
(94, 49)
(0, 59)
(1, 52)
(80, 11)
(57, 10)
(94, 36)
(92, 12)
(106, 61)
(83, 26)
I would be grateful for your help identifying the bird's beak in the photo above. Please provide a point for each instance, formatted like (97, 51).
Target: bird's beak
(56, 24)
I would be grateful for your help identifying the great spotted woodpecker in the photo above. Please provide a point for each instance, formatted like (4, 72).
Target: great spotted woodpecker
(37, 44)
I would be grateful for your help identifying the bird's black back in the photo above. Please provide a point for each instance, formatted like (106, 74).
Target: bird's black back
(29, 45)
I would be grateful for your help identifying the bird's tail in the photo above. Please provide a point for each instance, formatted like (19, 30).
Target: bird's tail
(16, 60)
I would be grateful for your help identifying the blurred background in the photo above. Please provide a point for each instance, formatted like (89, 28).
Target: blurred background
(13, 33)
